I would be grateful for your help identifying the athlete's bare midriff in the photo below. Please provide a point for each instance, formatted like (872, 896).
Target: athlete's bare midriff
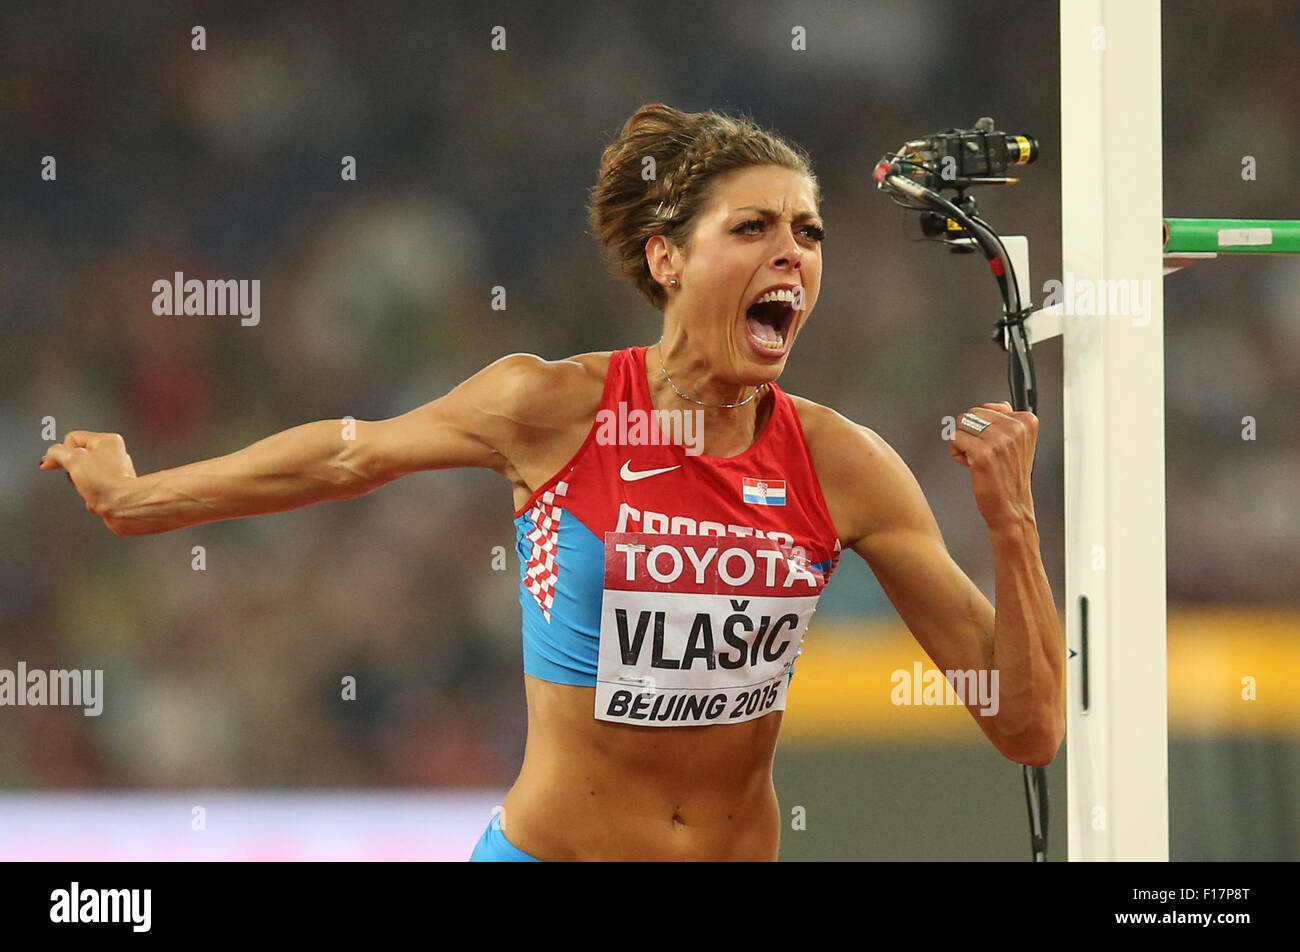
(595, 790)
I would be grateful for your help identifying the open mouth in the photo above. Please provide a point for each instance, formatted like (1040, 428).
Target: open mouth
(769, 323)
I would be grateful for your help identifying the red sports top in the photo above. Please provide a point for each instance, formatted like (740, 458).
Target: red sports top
(678, 585)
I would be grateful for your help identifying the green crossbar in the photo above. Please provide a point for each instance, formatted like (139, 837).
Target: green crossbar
(1231, 236)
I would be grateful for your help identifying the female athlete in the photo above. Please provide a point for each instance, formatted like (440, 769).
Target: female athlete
(667, 579)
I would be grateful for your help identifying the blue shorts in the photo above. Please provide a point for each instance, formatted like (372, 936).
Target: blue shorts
(493, 847)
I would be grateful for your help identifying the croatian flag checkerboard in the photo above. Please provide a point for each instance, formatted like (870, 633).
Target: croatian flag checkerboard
(763, 492)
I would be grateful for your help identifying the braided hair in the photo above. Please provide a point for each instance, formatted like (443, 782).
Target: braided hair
(654, 180)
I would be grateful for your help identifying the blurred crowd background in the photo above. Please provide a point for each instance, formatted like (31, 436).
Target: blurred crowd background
(472, 172)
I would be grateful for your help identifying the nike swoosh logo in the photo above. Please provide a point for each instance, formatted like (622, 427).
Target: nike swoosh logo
(631, 477)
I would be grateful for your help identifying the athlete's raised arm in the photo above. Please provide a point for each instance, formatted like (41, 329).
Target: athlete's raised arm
(888, 521)
(479, 423)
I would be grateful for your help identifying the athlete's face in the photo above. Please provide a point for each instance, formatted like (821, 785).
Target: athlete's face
(761, 228)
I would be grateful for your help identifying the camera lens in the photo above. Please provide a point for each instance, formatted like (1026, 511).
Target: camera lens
(1021, 150)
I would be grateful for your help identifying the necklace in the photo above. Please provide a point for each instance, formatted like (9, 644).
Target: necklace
(716, 406)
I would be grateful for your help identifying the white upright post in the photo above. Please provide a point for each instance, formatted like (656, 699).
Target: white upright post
(1111, 198)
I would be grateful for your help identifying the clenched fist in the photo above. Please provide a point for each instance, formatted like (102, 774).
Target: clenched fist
(96, 464)
(1001, 461)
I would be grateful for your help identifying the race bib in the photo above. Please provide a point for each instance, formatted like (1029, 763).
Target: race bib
(699, 629)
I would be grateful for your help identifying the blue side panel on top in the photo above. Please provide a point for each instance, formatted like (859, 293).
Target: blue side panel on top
(565, 649)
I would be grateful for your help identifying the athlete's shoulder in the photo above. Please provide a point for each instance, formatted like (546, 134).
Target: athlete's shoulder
(540, 392)
(530, 368)
(826, 426)
(594, 364)
(861, 475)
(839, 447)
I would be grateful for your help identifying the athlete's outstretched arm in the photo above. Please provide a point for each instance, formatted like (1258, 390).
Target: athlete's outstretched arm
(315, 462)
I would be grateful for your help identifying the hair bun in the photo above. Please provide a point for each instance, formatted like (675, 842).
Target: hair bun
(654, 179)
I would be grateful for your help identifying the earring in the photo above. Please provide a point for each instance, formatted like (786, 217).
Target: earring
(673, 283)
